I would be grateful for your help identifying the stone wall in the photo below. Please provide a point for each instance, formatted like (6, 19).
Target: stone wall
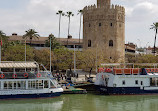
(103, 24)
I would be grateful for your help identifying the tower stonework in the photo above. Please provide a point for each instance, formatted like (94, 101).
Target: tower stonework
(104, 28)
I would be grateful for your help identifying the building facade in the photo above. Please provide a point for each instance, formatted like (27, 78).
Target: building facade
(104, 28)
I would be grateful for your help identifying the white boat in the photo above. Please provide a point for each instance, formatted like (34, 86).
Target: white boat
(25, 80)
(120, 79)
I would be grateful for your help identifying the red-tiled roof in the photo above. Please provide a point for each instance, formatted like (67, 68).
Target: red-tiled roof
(41, 40)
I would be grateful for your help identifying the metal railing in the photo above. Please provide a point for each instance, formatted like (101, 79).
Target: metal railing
(24, 75)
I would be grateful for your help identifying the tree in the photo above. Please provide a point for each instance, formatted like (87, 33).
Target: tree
(69, 14)
(54, 43)
(155, 27)
(31, 34)
(16, 53)
(60, 13)
(81, 13)
(63, 58)
(42, 57)
(4, 39)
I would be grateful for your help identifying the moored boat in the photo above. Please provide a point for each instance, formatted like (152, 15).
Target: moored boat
(26, 80)
(127, 79)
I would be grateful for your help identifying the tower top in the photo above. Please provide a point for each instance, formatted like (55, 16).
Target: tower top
(103, 3)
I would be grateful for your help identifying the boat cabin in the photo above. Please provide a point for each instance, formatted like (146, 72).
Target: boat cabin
(24, 76)
(128, 75)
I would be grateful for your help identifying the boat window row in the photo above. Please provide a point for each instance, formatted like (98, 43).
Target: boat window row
(136, 82)
(30, 84)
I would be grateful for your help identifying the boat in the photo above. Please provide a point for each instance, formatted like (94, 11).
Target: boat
(127, 79)
(25, 80)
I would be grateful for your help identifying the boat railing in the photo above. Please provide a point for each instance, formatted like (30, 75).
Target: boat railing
(127, 71)
(24, 75)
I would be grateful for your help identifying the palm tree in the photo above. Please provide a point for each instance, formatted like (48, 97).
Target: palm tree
(69, 14)
(155, 27)
(60, 13)
(54, 43)
(81, 13)
(31, 34)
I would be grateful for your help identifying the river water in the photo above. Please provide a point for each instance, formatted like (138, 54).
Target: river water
(88, 102)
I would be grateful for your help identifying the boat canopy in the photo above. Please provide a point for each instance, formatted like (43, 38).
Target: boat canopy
(13, 64)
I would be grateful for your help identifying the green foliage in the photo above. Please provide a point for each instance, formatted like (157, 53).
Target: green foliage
(4, 39)
(131, 58)
(54, 43)
(17, 53)
(43, 57)
(63, 58)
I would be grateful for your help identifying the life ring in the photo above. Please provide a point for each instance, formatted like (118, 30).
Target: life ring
(2, 76)
(26, 75)
(14, 75)
(39, 75)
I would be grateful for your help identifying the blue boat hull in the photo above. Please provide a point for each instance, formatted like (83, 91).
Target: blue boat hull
(29, 96)
(124, 90)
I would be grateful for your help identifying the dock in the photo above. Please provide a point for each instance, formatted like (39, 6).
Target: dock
(72, 90)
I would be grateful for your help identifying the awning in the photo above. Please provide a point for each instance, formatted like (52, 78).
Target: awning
(18, 65)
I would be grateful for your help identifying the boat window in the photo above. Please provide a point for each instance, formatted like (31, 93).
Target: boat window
(5, 85)
(9, 84)
(52, 85)
(18, 85)
(23, 85)
(40, 84)
(123, 82)
(46, 84)
(141, 82)
(136, 81)
(14, 84)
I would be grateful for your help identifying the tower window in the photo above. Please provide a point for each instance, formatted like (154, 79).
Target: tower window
(111, 24)
(89, 25)
(89, 43)
(99, 24)
(111, 43)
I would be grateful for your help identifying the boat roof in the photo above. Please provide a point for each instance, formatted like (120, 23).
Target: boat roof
(19, 64)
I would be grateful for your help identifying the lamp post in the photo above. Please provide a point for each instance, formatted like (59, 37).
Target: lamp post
(74, 61)
(50, 55)
(96, 59)
(147, 46)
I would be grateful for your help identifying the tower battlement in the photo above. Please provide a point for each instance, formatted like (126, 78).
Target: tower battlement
(112, 7)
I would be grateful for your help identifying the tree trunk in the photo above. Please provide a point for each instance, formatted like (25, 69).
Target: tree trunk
(155, 43)
(68, 30)
(59, 26)
(30, 41)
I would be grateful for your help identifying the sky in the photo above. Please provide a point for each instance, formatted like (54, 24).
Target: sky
(17, 16)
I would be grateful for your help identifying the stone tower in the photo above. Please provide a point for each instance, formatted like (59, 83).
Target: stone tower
(104, 28)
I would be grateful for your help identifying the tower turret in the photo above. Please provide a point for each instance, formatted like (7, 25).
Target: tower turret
(103, 3)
